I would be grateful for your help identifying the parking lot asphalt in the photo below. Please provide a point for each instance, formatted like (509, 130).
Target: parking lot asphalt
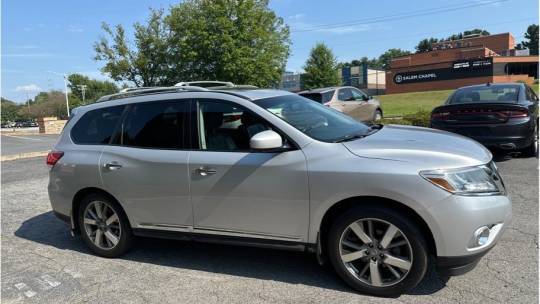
(17, 143)
(42, 263)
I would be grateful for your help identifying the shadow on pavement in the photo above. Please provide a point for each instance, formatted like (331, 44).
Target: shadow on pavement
(266, 264)
(502, 156)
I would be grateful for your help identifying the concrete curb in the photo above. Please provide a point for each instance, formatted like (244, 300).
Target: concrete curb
(23, 155)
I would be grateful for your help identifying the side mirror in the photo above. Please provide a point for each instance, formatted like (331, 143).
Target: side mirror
(266, 140)
(366, 98)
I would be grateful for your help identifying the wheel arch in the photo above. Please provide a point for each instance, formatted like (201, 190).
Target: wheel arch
(373, 201)
(82, 193)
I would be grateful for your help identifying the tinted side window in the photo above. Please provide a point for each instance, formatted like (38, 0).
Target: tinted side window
(318, 97)
(225, 126)
(533, 96)
(345, 94)
(358, 95)
(327, 96)
(157, 125)
(97, 126)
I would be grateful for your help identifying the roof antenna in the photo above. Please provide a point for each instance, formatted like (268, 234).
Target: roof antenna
(488, 84)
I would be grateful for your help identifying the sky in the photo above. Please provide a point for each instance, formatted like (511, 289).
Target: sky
(41, 40)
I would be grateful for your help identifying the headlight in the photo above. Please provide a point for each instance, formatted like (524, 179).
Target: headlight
(480, 180)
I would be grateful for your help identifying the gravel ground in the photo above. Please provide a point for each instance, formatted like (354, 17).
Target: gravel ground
(42, 263)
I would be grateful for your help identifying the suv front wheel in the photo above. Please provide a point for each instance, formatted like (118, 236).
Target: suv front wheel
(377, 251)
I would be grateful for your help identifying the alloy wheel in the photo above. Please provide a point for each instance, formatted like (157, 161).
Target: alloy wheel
(102, 225)
(375, 252)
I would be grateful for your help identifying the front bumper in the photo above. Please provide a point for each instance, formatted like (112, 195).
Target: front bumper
(458, 217)
(453, 266)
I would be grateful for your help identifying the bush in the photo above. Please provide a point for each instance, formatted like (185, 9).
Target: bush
(419, 119)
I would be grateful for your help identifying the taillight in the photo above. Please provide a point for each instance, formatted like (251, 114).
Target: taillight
(440, 115)
(53, 157)
(517, 113)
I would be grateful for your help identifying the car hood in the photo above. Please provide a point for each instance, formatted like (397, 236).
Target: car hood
(430, 148)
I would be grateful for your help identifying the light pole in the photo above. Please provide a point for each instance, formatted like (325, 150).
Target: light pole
(65, 88)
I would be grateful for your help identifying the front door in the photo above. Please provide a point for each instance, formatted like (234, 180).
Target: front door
(360, 108)
(146, 168)
(239, 192)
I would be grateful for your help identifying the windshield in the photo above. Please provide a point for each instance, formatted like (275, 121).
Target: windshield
(319, 97)
(313, 119)
(492, 93)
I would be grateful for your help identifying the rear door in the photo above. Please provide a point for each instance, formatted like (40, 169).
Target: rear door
(146, 167)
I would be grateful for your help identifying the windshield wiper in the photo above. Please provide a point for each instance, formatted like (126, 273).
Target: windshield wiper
(349, 138)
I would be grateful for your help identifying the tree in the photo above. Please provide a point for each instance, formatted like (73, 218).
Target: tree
(9, 110)
(476, 31)
(386, 58)
(459, 36)
(320, 68)
(371, 63)
(145, 62)
(532, 36)
(52, 103)
(239, 41)
(94, 88)
(426, 45)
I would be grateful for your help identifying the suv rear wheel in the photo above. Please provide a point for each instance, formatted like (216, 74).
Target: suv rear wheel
(104, 227)
(377, 251)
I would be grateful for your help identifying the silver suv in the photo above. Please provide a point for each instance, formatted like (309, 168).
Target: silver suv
(271, 168)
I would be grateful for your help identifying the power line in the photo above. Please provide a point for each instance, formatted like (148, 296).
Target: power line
(399, 16)
(424, 34)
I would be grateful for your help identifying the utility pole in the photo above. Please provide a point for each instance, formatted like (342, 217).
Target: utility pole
(67, 99)
(65, 89)
(82, 88)
(28, 103)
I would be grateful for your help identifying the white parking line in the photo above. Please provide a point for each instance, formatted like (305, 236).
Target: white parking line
(50, 280)
(20, 286)
(73, 273)
(22, 137)
(28, 293)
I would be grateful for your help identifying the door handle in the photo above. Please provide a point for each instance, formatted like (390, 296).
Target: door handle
(202, 171)
(112, 166)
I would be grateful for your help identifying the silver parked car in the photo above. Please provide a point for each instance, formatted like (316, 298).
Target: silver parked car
(272, 168)
(348, 100)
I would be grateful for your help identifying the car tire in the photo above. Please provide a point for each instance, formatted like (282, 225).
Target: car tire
(109, 222)
(532, 149)
(413, 255)
(377, 115)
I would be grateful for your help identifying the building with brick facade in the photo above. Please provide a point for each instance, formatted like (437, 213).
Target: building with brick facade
(468, 61)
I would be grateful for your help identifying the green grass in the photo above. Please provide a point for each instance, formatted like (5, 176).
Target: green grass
(410, 103)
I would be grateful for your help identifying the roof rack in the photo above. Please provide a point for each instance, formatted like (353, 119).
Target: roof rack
(131, 92)
(205, 83)
(234, 87)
